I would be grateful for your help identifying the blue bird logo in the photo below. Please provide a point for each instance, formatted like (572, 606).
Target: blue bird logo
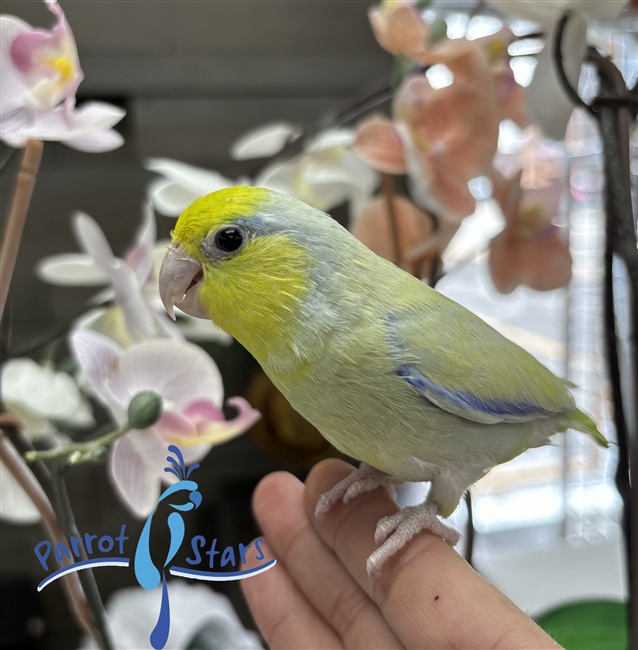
(148, 574)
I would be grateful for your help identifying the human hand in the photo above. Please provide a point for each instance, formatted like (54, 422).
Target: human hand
(319, 595)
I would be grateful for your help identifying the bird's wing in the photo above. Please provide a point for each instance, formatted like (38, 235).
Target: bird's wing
(465, 367)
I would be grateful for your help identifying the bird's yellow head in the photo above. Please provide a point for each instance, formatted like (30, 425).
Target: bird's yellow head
(240, 257)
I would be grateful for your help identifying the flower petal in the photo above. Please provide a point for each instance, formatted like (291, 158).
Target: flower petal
(14, 85)
(169, 198)
(216, 433)
(71, 270)
(140, 257)
(136, 467)
(173, 424)
(93, 242)
(332, 138)
(266, 140)
(203, 409)
(399, 29)
(99, 359)
(15, 505)
(196, 180)
(44, 392)
(279, 176)
(59, 124)
(140, 319)
(378, 143)
(373, 227)
(178, 371)
(97, 142)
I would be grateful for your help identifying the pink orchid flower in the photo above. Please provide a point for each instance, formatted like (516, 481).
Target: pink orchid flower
(508, 93)
(441, 138)
(399, 28)
(40, 73)
(530, 250)
(191, 389)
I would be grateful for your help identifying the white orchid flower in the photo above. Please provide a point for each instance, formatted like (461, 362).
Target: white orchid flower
(40, 398)
(546, 102)
(132, 612)
(190, 386)
(138, 312)
(39, 75)
(264, 141)
(325, 174)
(181, 184)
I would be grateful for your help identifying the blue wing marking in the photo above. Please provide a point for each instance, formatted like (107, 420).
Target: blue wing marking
(466, 404)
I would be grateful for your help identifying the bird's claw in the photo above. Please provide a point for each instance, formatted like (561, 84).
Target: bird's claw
(394, 531)
(363, 479)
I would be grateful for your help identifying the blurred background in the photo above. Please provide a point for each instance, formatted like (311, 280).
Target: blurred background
(193, 77)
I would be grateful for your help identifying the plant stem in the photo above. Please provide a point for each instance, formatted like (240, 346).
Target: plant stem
(17, 216)
(387, 185)
(86, 576)
(12, 427)
(23, 475)
(80, 452)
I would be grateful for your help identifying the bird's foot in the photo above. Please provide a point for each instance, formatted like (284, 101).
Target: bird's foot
(394, 531)
(361, 480)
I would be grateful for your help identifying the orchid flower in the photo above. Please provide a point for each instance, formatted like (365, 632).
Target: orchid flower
(138, 312)
(132, 612)
(40, 398)
(190, 386)
(529, 250)
(324, 175)
(547, 104)
(441, 138)
(181, 184)
(399, 28)
(39, 74)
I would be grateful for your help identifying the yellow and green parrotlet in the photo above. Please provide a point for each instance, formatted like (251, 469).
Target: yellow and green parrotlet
(389, 370)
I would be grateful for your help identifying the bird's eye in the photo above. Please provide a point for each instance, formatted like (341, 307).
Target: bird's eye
(229, 239)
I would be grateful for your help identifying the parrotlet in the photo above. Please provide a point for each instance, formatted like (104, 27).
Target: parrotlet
(390, 371)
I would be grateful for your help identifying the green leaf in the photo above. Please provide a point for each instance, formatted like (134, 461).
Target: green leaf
(589, 625)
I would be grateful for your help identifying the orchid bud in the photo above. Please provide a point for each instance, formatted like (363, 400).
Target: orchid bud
(144, 410)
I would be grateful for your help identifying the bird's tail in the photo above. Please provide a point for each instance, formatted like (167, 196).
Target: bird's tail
(582, 422)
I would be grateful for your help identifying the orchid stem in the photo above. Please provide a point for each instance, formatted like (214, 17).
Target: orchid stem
(25, 183)
(80, 452)
(12, 461)
(387, 185)
(86, 577)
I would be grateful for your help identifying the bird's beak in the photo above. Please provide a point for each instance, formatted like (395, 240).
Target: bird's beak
(180, 279)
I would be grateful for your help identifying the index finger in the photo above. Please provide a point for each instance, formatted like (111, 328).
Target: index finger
(430, 596)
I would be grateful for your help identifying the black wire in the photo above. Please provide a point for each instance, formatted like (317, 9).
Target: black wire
(571, 92)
